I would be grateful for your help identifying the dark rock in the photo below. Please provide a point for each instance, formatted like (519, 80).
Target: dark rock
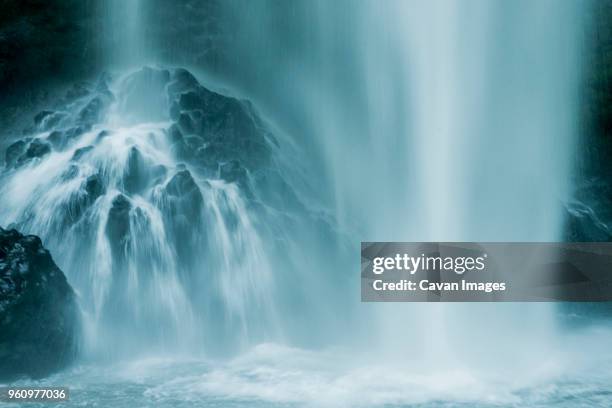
(39, 316)
(118, 224)
(14, 151)
(185, 123)
(92, 112)
(182, 205)
(73, 134)
(583, 225)
(78, 153)
(184, 195)
(62, 139)
(40, 116)
(71, 172)
(49, 121)
(174, 134)
(194, 142)
(56, 139)
(36, 149)
(102, 135)
(135, 175)
(78, 90)
(94, 186)
(78, 204)
(177, 143)
(191, 100)
(182, 81)
(233, 171)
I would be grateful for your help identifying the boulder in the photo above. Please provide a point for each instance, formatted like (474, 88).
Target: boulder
(15, 151)
(233, 172)
(92, 111)
(39, 317)
(118, 224)
(40, 116)
(79, 153)
(184, 195)
(36, 149)
(135, 177)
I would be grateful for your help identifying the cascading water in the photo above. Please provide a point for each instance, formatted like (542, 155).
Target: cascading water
(192, 226)
(141, 239)
(437, 121)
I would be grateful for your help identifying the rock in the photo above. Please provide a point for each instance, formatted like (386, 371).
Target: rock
(78, 90)
(71, 172)
(174, 134)
(135, 175)
(182, 80)
(39, 316)
(79, 203)
(118, 224)
(182, 206)
(102, 135)
(194, 142)
(190, 101)
(78, 153)
(46, 120)
(36, 149)
(583, 225)
(182, 201)
(62, 139)
(41, 115)
(73, 134)
(214, 153)
(230, 125)
(92, 112)
(185, 123)
(233, 171)
(94, 187)
(56, 139)
(14, 151)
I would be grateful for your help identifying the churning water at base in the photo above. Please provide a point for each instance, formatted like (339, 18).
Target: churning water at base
(279, 376)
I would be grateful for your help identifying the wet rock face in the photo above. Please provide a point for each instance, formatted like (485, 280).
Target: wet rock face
(229, 129)
(118, 225)
(183, 196)
(22, 151)
(38, 311)
(583, 225)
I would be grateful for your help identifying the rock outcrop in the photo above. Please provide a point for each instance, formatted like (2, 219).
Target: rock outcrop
(38, 310)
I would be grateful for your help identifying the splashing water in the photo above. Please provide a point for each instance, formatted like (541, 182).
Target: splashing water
(432, 120)
(143, 241)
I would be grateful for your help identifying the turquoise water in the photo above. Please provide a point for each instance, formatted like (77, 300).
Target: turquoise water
(576, 374)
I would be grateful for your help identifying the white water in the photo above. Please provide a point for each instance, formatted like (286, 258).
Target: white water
(150, 287)
(439, 120)
(435, 121)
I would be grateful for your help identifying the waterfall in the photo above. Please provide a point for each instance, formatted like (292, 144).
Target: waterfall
(419, 121)
(125, 33)
(215, 218)
(433, 121)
